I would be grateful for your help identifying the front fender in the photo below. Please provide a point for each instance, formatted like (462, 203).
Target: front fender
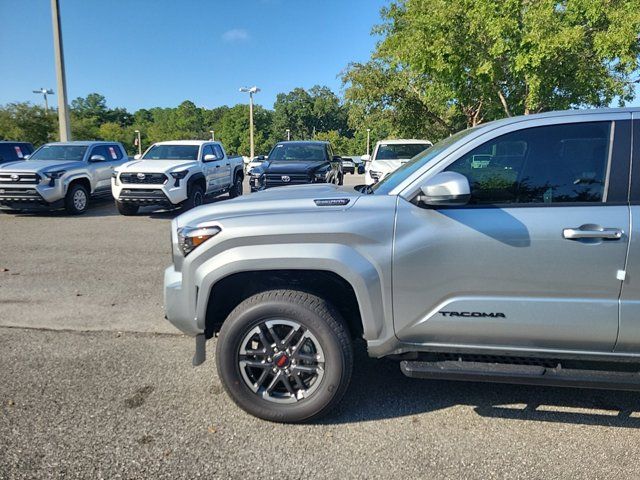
(362, 275)
(78, 176)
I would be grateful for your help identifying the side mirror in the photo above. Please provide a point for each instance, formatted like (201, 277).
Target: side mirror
(209, 158)
(260, 158)
(361, 169)
(446, 189)
(366, 158)
(137, 156)
(26, 157)
(97, 158)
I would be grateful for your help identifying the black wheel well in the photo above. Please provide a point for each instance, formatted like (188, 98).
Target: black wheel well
(81, 181)
(239, 173)
(230, 291)
(197, 180)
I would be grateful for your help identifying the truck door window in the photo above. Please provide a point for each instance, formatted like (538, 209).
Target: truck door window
(217, 151)
(550, 164)
(207, 150)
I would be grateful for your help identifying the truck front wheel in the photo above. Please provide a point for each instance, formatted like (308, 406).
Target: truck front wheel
(76, 200)
(195, 197)
(285, 356)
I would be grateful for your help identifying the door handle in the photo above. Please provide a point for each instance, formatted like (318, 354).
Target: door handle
(217, 166)
(227, 164)
(592, 231)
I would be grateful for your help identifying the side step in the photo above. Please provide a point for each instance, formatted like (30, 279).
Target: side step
(521, 374)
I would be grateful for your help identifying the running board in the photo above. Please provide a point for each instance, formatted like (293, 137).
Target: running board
(521, 374)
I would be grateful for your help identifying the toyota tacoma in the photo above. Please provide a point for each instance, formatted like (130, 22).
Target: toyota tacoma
(508, 252)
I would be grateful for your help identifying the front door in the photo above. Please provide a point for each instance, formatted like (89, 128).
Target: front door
(103, 169)
(533, 261)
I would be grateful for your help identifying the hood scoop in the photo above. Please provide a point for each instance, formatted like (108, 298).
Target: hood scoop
(331, 202)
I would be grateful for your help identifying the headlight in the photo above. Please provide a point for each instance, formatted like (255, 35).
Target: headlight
(179, 176)
(375, 175)
(54, 175)
(321, 175)
(189, 238)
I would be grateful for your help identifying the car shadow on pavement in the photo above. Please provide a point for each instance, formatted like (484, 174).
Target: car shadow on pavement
(380, 391)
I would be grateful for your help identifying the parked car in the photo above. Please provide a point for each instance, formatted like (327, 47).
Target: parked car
(389, 155)
(60, 175)
(14, 151)
(508, 252)
(295, 163)
(349, 165)
(178, 173)
(255, 162)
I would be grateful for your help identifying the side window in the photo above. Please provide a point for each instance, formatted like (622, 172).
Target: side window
(217, 151)
(101, 150)
(206, 150)
(114, 153)
(551, 164)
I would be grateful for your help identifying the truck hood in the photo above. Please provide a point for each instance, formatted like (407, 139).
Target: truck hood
(155, 166)
(39, 166)
(291, 166)
(387, 166)
(290, 199)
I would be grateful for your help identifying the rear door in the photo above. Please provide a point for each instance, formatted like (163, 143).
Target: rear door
(210, 168)
(225, 166)
(533, 262)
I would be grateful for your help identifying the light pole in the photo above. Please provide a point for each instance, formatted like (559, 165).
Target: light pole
(213, 135)
(44, 92)
(58, 51)
(368, 131)
(250, 91)
(288, 134)
(139, 142)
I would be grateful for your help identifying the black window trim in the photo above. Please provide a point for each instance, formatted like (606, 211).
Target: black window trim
(617, 181)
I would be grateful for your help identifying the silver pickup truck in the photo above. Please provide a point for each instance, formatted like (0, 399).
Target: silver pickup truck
(509, 252)
(60, 175)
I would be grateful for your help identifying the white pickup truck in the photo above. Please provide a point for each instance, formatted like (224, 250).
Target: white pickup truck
(177, 173)
(389, 155)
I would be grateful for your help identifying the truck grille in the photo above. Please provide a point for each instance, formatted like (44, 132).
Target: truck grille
(144, 178)
(19, 178)
(276, 180)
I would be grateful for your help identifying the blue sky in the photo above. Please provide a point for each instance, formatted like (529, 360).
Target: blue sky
(144, 53)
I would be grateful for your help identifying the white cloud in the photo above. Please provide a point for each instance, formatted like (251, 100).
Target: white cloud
(235, 35)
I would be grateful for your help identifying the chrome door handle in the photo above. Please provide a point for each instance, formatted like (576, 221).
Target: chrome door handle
(592, 231)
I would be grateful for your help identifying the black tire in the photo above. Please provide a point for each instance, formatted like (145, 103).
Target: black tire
(127, 209)
(317, 319)
(236, 188)
(195, 197)
(76, 201)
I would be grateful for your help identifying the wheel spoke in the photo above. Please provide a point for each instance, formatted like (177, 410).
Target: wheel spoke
(262, 378)
(288, 386)
(274, 382)
(253, 363)
(257, 353)
(299, 383)
(306, 358)
(307, 368)
(263, 337)
(273, 334)
(303, 338)
(287, 340)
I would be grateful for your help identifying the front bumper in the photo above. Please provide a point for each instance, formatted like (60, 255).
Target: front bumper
(34, 196)
(179, 310)
(143, 194)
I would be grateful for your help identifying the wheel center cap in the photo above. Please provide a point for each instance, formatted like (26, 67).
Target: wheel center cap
(281, 360)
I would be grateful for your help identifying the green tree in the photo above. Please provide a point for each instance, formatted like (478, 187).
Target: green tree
(303, 112)
(486, 59)
(28, 123)
(233, 130)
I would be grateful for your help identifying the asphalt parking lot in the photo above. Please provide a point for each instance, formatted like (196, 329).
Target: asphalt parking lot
(94, 383)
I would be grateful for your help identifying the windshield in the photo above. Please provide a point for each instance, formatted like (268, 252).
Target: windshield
(394, 179)
(60, 152)
(305, 152)
(396, 151)
(172, 152)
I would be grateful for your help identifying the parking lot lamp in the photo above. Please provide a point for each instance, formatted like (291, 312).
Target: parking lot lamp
(44, 92)
(58, 50)
(368, 131)
(288, 134)
(138, 142)
(250, 91)
(213, 135)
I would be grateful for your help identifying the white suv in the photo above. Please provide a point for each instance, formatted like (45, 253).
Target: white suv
(389, 155)
(176, 173)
